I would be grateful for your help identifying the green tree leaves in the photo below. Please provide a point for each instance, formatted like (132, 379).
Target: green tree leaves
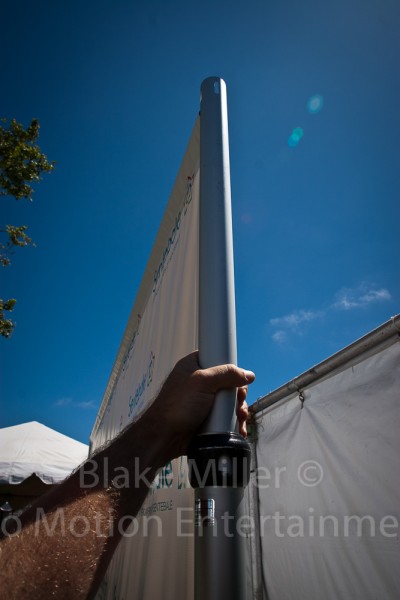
(6, 325)
(21, 164)
(21, 161)
(15, 236)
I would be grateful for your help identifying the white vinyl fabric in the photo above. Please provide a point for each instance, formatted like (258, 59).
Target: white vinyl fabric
(156, 559)
(162, 326)
(34, 448)
(328, 485)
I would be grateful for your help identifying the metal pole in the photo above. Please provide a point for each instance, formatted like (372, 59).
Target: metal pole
(217, 318)
(219, 459)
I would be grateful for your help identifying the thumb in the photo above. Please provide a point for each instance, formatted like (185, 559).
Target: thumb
(226, 377)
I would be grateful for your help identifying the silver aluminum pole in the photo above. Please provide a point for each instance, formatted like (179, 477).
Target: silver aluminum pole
(217, 318)
(219, 459)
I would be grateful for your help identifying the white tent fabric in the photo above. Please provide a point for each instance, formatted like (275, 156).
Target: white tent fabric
(34, 448)
(327, 487)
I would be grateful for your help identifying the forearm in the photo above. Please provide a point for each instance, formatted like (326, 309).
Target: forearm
(69, 535)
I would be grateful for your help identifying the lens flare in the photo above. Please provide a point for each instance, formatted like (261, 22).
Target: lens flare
(315, 104)
(295, 137)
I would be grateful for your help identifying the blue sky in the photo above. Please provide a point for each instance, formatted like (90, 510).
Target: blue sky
(313, 98)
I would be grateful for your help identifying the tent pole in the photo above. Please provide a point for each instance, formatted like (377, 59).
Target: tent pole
(219, 459)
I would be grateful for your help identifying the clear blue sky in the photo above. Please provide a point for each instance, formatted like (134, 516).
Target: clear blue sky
(116, 89)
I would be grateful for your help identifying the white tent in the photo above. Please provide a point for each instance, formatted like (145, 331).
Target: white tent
(324, 491)
(34, 457)
(32, 448)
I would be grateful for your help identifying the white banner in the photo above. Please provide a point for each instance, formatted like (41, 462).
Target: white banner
(156, 561)
(327, 485)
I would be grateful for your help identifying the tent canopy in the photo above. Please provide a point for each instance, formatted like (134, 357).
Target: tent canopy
(33, 448)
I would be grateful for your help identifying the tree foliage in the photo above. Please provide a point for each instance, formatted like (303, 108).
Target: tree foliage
(21, 164)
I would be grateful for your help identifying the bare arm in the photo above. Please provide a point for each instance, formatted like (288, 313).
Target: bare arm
(70, 534)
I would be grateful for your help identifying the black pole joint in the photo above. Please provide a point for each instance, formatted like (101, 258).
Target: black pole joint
(219, 459)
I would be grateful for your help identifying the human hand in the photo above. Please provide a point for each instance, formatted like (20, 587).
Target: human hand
(188, 394)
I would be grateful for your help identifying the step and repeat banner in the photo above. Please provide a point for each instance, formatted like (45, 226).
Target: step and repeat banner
(155, 559)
